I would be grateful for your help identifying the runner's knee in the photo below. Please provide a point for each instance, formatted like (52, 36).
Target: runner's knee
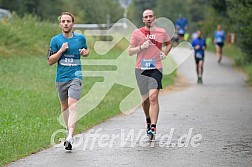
(153, 98)
(64, 105)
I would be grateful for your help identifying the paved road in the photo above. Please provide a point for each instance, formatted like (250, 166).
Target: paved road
(199, 125)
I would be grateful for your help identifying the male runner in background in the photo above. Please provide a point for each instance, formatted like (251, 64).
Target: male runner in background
(219, 39)
(181, 26)
(199, 45)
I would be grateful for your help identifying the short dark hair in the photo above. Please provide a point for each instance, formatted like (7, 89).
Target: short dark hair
(150, 10)
(67, 13)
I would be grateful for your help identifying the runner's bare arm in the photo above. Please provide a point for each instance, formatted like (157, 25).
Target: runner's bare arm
(135, 49)
(168, 47)
(52, 59)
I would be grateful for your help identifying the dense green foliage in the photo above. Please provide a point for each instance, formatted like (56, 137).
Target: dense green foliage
(240, 16)
(45, 9)
(88, 11)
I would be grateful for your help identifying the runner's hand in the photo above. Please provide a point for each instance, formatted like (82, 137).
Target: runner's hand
(162, 56)
(197, 47)
(146, 44)
(84, 52)
(64, 47)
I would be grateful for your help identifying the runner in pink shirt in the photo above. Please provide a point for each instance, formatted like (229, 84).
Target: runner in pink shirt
(147, 43)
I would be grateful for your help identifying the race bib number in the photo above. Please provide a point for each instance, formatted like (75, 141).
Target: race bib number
(219, 40)
(69, 60)
(147, 64)
(199, 55)
(181, 31)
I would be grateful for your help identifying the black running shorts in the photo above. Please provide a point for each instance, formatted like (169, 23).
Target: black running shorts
(197, 60)
(221, 44)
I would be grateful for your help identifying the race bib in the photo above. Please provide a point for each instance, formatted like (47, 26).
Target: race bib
(219, 40)
(181, 31)
(69, 60)
(199, 55)
(147, 64)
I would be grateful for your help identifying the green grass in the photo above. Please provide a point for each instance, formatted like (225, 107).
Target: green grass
(29, 105)
(25, 36)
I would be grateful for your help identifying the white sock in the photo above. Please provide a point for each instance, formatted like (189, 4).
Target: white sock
(69, 138)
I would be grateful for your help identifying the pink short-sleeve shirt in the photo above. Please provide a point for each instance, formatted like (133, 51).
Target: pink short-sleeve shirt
(157, 36)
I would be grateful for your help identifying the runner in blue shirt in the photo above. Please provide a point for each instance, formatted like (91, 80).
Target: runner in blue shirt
(181, 26)
(219, 39)
(199, 45)
(65, 50)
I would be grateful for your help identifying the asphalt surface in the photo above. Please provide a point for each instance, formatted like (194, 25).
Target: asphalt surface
(199, 125)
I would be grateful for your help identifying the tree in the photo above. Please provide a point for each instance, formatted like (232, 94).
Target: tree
(45, 9)
(240, 13)
(220, 6)
(236, 15)
(97, 11)
(171, 9)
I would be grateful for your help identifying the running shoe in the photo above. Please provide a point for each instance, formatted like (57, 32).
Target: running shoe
(151, 133)
(200, 80)
(69, 143)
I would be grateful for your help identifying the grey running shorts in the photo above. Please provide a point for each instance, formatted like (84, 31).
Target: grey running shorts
(69, 89)
(148, 79)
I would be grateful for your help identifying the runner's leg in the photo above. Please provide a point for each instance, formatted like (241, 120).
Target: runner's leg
(218, 52)
(154, 105)
(200, 67)
(64, 111)
(72, 119)
(146, 106)
(200, 71)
